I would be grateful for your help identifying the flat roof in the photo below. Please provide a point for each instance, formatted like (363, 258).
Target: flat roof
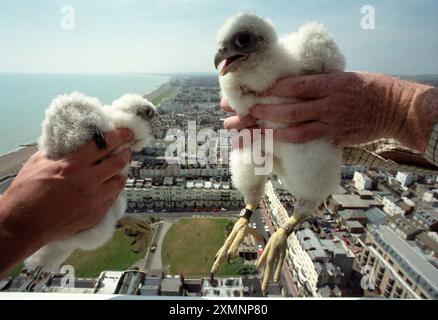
(354, 201)
(413, 257)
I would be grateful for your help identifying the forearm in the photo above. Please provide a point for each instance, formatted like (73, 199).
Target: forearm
(18, 239)
(415, 112)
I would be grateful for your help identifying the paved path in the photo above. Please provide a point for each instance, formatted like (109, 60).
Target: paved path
(154, 262)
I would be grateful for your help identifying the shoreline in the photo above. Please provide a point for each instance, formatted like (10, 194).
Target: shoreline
(12, 161)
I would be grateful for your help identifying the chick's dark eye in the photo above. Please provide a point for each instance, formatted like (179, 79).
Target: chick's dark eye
(244, 40)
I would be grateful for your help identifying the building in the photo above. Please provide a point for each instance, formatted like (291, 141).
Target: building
(319, 264)
(427, 218)
(375, 216)
(130, 282)
(428, 245)
(247, 250)
(353, 215)
(150, 286)
(223, 287)
(361, 181)
(108, 282)
(171, 286)
(403, 227)
(57, 284)
(393, 206)
(405, 178)
(351, 201)
(192, 287)
(180, 193)
(354, 227)
(400, 268)
(278, 201)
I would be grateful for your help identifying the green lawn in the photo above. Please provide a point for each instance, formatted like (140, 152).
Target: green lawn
(164, 95)
(190, 245)
(114, 255)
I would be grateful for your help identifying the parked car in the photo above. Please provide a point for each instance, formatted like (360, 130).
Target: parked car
(267, 229)
(254, 225)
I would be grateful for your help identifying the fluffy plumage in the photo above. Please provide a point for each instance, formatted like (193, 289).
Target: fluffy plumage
(309, 171)
(71, 121)
(251, 59)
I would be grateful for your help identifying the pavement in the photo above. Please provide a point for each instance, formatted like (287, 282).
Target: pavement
(153, 262)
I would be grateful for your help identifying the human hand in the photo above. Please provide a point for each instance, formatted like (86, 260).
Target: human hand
(345, 108)
(53, 199)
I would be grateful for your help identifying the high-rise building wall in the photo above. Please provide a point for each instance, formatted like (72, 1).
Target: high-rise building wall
(400, 268)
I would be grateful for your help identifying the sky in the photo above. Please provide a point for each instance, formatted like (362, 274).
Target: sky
(172, 36)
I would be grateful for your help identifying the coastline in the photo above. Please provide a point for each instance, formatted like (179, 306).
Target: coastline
(11, 162)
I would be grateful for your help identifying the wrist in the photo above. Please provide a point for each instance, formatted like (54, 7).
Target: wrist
(18, 236)
(422, 116)
(409, 120)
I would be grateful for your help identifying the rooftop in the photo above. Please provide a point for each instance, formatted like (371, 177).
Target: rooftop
(413, 259)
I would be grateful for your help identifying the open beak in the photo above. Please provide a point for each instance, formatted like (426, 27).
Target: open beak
(226, 61)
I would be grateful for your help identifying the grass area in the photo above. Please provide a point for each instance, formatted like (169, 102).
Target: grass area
(190, 245)
(164, 95)
(16, 270)
(114, 255)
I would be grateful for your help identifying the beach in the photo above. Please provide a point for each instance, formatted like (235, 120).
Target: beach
(12, 162)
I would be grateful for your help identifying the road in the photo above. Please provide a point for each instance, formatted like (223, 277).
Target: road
(154, 262)
(257, 217)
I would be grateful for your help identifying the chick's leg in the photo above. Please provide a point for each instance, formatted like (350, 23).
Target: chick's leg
(252, 187)
(275, 250)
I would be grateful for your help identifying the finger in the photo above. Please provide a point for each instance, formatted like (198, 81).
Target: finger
(264, 256)
(225, 105)
(280, 261)
(305, 87)
(113, 186)
(267, 273)
(90, 153)
(112, 166)
(238, 122)
(292, 112)
(232, 252)
(303, 132)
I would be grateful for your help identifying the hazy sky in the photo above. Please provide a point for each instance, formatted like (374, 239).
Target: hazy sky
(180, 35)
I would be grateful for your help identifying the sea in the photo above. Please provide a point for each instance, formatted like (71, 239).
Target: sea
(24, 97)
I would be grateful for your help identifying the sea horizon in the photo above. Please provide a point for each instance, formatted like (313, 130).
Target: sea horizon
(25, 96)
